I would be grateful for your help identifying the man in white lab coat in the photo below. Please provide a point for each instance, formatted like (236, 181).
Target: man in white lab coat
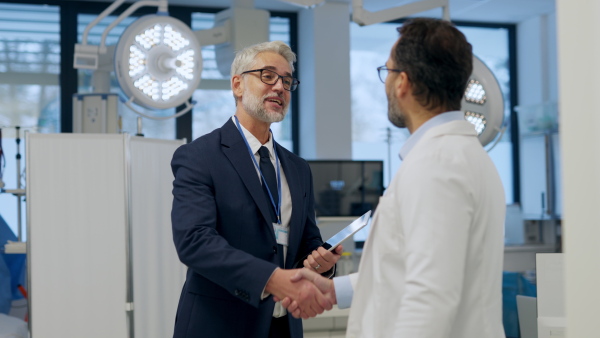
(432, 264)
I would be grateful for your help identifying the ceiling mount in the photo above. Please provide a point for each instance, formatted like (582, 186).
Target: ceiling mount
(364, 17)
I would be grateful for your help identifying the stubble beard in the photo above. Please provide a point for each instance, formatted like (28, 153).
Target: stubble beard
(395, 114)
(255, 106)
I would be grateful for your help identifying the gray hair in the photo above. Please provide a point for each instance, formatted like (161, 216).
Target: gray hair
(245, 58)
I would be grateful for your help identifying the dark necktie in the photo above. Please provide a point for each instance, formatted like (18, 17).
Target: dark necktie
(266, 167)
(268, 172)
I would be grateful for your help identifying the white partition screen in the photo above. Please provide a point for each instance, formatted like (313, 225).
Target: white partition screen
(100, 250)
(157, 273)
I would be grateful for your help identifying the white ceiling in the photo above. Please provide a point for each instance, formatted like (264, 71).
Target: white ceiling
(503, 11)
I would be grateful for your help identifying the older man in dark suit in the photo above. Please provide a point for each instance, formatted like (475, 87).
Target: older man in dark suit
(243, 212)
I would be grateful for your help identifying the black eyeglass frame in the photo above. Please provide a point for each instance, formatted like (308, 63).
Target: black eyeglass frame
(380, 68)
(293, 85)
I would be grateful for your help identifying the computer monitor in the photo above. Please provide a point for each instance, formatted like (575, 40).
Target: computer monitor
(346, 187)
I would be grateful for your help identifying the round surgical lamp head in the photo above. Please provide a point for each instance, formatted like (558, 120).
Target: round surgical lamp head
(483, 103)
(158, 62)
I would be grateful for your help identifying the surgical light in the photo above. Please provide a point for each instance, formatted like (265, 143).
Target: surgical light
(158, 62)
(483, 104)
(475, 92)
(478, 120)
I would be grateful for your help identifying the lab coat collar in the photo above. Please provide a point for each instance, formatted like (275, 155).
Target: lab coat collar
(432, 122)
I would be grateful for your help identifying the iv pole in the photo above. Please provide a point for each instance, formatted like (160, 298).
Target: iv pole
(19, 191)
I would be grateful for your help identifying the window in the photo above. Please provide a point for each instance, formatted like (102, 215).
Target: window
(490, 44)
(374, 137)
(29, 89)
(29, 66)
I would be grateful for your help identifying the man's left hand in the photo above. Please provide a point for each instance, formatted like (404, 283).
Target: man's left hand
(322, 260)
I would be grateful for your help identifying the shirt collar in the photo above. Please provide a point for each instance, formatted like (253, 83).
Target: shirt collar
(254, 142)
(432, 122)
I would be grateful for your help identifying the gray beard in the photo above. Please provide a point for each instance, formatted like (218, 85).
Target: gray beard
(256, 108)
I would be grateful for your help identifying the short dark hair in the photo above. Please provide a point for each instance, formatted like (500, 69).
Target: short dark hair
(437, 59)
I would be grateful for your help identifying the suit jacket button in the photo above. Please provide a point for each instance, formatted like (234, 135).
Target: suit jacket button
(274, 249)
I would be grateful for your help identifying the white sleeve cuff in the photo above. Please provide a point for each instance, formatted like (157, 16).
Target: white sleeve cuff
(343, 291)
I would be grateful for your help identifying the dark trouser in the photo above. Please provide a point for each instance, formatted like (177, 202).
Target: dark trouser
(280, 328)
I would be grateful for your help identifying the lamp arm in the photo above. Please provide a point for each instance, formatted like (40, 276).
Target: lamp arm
(188, 107)
(364, 17)
(102, 15)
(160, 3)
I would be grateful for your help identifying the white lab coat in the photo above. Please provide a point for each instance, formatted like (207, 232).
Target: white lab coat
(432, 264)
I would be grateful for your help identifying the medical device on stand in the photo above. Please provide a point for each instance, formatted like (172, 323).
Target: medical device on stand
(12, 247)
(157, 62)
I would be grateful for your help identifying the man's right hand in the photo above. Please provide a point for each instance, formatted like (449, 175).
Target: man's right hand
(308, 300)
(325, 286)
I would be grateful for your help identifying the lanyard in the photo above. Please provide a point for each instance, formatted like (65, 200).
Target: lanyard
(278, 206)
(2, 160)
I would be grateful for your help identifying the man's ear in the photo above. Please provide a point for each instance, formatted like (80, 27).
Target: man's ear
(403, 85)
(237, 85)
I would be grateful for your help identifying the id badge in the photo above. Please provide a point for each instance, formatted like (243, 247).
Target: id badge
(281, 233)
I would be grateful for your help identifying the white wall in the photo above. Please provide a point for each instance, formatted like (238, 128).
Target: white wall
(579, 70)
(536, 58)
(324, 74)
(557, 62)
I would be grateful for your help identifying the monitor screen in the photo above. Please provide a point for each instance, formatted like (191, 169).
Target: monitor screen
(346, 187)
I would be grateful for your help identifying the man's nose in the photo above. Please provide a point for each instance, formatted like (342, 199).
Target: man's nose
(278, 85)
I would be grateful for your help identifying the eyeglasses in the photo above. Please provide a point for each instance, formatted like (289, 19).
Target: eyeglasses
(270, 77)
(383, 75)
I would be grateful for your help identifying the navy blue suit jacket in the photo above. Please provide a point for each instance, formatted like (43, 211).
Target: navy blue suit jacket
(223, 234)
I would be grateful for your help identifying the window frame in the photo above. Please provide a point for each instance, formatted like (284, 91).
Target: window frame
(514, 96)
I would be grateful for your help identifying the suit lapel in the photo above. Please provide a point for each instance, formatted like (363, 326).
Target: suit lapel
(235, 149)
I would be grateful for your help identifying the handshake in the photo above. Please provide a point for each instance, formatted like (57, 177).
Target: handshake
(304, 292)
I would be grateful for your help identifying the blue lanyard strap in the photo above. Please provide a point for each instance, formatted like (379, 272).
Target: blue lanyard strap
(278, 206)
